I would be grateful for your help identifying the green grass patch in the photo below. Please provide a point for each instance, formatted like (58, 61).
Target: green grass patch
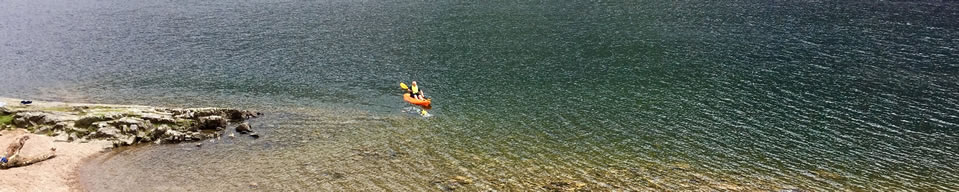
(108, 110)
(58, 109)
(6, 119)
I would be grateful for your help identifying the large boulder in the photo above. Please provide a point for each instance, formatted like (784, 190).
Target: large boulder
(106, 131)
(27, 119)
(171, 136)
(211, 123)
(244, 128)
(125, 141)
(159, 132)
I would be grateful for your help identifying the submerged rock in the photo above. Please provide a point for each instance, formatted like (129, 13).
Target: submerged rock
(790, 189)
(462, 180)
(453, 183)
(565, 186)
(243, 128)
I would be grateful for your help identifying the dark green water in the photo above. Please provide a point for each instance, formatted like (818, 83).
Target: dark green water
(619, 95)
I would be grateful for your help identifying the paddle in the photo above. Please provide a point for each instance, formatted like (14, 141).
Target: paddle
(403, 85)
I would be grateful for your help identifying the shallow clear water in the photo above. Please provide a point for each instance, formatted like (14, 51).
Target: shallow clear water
(627, 95)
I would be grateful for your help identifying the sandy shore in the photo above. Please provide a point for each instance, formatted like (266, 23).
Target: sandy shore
(56, 174)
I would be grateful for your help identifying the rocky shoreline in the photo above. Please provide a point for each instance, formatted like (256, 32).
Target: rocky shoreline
(122, 125)
(56, 137)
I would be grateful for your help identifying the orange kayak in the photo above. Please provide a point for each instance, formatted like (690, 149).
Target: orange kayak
(420, 102)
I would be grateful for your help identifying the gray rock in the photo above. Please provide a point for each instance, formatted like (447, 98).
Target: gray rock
(88, 120)
(43, 129)
(62, 126)
(144, 136)
(198, 136)
(243, 128)
(172, 136)
(5, 111)
(57, 117)
(185, 115)
(126, 121)
(125, 141)
(134, 129)
(159, 132)
(108, 132)
(27, 119)
(20, 122)
(211, 123)
(78, 131)
(63, 137)
(157, 118)
(148, 128)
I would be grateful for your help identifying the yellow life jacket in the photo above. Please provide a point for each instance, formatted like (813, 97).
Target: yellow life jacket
(415, 89)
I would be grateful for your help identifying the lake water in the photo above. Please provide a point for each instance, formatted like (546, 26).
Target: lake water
(616, 95)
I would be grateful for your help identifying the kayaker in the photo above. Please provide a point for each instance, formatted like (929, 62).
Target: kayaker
(415, 91)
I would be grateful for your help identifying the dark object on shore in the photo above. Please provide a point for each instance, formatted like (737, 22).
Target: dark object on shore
(26, 102)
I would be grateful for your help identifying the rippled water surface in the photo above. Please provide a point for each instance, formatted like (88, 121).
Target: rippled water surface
(617, 95)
